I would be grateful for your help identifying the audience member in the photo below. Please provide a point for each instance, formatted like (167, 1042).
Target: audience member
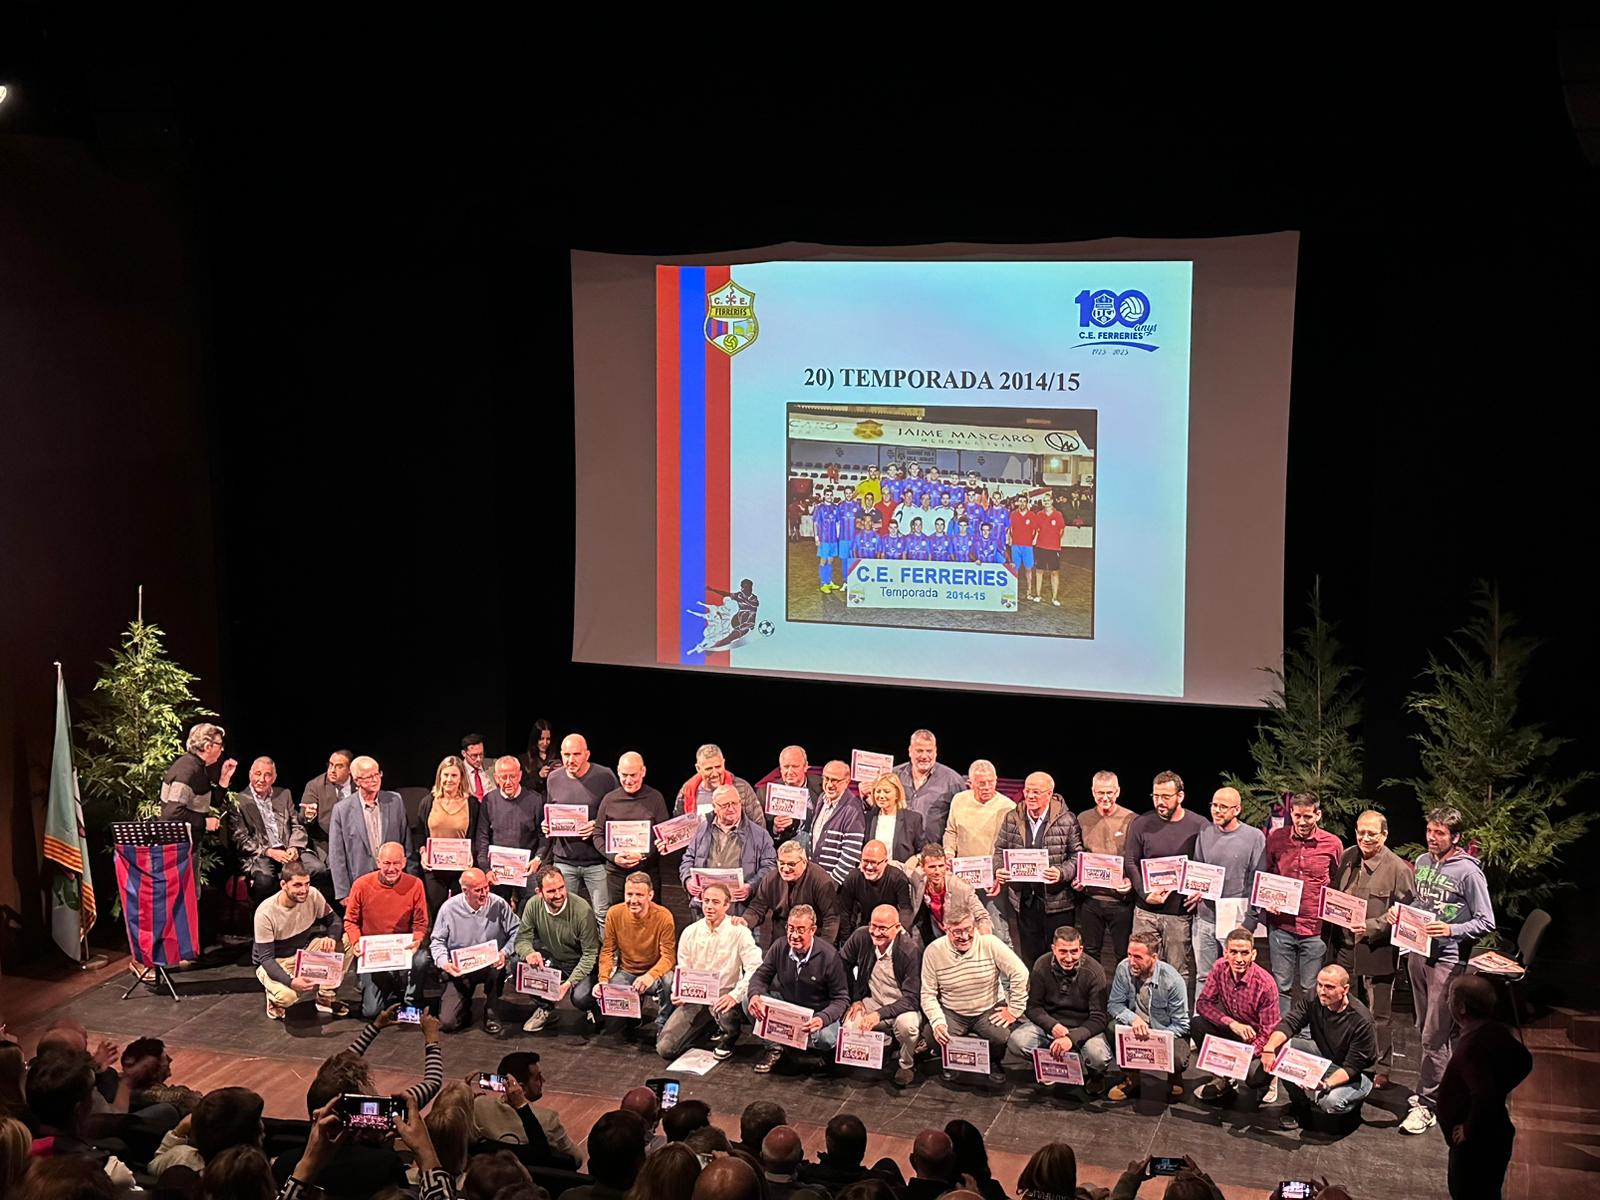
(472, 918)
(760, 1117)
(668, 1174)
(146, 1068)
(514, 1118)
(363, 824)
(683, 1118)
(933, 1166)
(708, 1141)
(450, 1125)
(69, 1178)
(13, 1067)
(781, 1155)
(226, 1117)
(240, 1172)
(972, 1159)
(643, 1103)
(729, 1177)
(713, 943)
(840, 1163)
(1191, 1183)
(16, 1148)
(490, 1174)
(1051, 1173)
(616, 1154)
(1486, 1064)
(558, 930)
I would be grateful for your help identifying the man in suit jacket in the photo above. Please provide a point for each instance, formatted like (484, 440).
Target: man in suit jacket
(362, 823)
(321, 794)
(1486, 1064)
(268, 832)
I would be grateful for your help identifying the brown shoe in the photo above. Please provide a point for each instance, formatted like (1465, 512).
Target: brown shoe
(769, 1059)
(1380, 1081)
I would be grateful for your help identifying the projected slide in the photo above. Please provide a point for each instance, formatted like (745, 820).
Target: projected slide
(970, 472)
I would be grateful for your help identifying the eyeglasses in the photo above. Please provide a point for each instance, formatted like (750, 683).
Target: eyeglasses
(1163, 795)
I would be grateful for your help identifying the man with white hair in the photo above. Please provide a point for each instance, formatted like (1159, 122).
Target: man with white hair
(472, 917)
(730, 839)
(1035, 910)
(793, 771)
(364, 822)
(583, 783)
(188, 787)
(1105, 918)
(509, 815)
(930, 785)
(975, 817)
(266, 829)
(710, 773)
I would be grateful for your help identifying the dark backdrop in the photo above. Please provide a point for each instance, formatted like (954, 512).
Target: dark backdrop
(376, 488)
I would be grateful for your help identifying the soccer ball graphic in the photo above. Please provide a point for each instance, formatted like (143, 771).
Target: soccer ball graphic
(766, 628)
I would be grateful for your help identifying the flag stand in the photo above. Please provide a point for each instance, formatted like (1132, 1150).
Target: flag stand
(150, 833)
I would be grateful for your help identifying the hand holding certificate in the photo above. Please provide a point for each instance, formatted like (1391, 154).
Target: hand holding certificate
(544, 982)
(1223, 1057)
(618, 1001)
(1344, 910)
(858, 1049)
(677, 833)
(784, 1023)
(564, 820)
(1276, 893)
(1049, 1069)
(1026, 866)
(786, 801)
(695, 987)
(1144, 1052)
(968, 1054)
(1204, 880)
(1299, 1067)
(447, 854)
(628, 837)
(977, 870)
(1410, 931)
(474, 958)
(385, 952)
(509, 865)
(1162, 874)
(323, 968)
(865, 766)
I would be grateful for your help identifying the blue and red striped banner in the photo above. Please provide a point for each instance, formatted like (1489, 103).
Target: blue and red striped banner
(693, 399)
(157, 886)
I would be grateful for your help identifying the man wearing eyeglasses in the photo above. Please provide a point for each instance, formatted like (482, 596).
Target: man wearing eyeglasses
(364, 822)
(1167, 830)
(807, 971)
(885, 971)
(838, 824)
(877, 881)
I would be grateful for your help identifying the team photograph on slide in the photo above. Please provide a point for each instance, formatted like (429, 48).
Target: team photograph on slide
(961, 518)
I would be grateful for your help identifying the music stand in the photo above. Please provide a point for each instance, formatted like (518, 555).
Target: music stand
(149, 833)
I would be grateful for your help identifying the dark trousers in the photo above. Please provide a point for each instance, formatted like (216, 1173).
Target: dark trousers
(1105, 927)
(437, 887)
(1477, 1170)
(455, 1006)
(1256, 1081)
(581, 995)
(1032, 928)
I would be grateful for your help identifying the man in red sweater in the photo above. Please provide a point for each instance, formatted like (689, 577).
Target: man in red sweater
(388, 901)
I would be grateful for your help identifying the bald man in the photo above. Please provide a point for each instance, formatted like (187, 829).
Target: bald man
(642, 1103)
(585, 784)
(632, 800)
(1334, 1026)
(1035, 910)
(782, 1152)
(268, 832)
(934, 1167)
(794, 770)
(388, 901)
(363, 822)
(1237, 848)
(728, 1178)
(473, 917)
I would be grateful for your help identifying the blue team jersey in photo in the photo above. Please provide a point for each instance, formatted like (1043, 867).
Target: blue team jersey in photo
(962, 547)
(825, 520)
(958, 494)
(991, 552)
(868, 545)
(917, 546)
(894, 489)
(1000, 518)
(939, 547)
(892, 546)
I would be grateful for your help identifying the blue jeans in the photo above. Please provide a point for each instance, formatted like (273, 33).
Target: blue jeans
(593, 877)
(620, 978)
(380, 989)
(1295, 959)
(1026, 1037)
(1206, 950)
(1337, 1100)
(824, 1039)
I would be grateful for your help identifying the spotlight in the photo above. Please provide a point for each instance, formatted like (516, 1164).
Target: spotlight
(4, 92)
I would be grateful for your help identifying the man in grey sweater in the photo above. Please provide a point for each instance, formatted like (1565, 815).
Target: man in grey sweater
(471, 918)
(1237, 848)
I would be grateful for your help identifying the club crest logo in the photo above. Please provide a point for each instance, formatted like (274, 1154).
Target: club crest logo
(731, 323)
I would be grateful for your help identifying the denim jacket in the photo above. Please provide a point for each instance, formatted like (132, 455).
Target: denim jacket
(1169, 999)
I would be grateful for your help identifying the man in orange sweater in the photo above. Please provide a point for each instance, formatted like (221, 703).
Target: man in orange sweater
(388, 901)
(640, 947)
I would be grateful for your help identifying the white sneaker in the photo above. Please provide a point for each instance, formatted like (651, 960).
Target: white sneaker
(1418, 1120)
(1414, 1100)
(1272, 1092)
(540, 1018)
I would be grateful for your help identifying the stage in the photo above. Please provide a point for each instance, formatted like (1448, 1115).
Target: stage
(218, 1034)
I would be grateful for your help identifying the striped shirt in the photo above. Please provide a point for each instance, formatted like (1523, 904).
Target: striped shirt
(432, 1066)
(974, 983)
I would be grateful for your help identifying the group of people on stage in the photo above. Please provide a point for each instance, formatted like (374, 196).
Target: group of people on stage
(920, 517)
(863, 910)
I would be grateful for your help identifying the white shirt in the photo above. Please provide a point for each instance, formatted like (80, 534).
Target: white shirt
(729, 950)
(479, 782)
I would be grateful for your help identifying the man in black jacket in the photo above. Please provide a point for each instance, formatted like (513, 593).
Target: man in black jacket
(839, 1165)
(796, 882)
(1066, 1011)
(885, 971)
(1486, 1064)
(1341, 1031)
(806, 971)
(876, 881)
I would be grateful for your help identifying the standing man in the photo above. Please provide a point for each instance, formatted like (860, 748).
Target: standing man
(640, 946)
(793, 771)
(729, 839)
(1043, 822)
(477, 780)
(1021, 532)
(1169, 829)
(1238, 849)
(1340, 1031)
(838, 823)
(321, 794)
(1300, 850)
(469, 918)
(268, 832)
(363, 823)
(1239, 1002)
(930, 785)
(974, 823)
(297, 918)
(870, 489)
(714, 943)
(940, 897)
(825, 519)
(1488, 1062)
(796, 882)
(973, 986)
(510, 815)
(802, 969)
(710, 773)
(188, 788)
(633, 800)
(559, 930)
(1147, 994)
(1067, 997)
(1451, 885)
(1106, 915)
(1047, 526)
(583, 783)
(387, 900)
(1371, 870)
(884, 968)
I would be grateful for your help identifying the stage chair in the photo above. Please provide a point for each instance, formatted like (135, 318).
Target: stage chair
(1528, 939)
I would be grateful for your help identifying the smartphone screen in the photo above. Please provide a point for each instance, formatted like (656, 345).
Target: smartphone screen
(495, 1083)
(1295, 1189)
(669, 1095)
(409, 1016)
(370, 1113)
(1165, 1166)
